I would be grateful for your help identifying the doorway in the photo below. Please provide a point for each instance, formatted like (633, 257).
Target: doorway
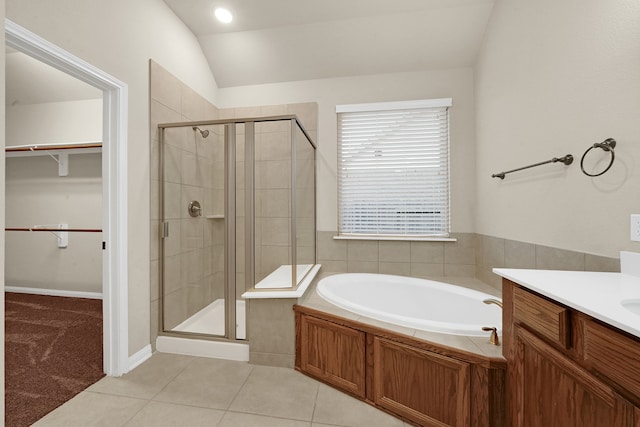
(114, 189)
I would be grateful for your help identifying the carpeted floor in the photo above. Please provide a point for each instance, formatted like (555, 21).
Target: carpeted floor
(53, 351)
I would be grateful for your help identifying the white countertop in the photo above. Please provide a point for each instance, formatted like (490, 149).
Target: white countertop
(597, 294)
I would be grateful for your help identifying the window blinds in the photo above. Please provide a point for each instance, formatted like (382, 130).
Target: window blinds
(393, 169)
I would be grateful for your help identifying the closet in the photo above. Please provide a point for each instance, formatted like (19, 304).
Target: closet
(53, 238)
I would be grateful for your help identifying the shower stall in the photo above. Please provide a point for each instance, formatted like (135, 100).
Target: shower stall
(237, 215)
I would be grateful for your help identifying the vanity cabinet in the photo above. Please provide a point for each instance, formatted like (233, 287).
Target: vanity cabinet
(565, 368)
(418, 381)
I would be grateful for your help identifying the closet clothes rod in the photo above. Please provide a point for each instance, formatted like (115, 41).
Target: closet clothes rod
(51, 147)
(57, 230)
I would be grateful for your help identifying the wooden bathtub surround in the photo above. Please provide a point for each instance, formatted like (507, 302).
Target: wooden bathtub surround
(423, 383)
(566, 368)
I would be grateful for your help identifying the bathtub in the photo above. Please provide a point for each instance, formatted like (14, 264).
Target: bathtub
(415, 303)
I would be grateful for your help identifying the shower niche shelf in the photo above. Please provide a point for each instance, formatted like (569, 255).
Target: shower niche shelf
(58, 152)
(219, 216)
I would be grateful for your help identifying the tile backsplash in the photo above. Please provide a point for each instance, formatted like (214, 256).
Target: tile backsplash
(471, 255)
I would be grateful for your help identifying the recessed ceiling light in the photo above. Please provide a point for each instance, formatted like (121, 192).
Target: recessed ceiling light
(223, 15)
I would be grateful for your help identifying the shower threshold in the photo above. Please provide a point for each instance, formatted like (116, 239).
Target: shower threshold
(210, 320)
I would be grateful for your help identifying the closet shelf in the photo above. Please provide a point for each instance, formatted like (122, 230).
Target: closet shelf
(58, 152)
(53, 229)
(53, 149)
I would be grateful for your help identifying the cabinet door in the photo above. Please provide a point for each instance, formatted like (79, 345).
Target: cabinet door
(549, 390)
(425, 387)
(333, 353)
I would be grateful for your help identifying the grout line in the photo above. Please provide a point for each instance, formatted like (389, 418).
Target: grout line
(240, 388)
(315, 403)
(269, 416)
(193, 359)
(128, 422)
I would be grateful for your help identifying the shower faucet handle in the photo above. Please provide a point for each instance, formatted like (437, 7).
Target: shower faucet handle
(194, 208)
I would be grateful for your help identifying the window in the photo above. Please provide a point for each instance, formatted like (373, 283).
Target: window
(393, 169)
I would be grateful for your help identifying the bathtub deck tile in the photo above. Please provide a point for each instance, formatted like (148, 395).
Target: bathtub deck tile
(486, 348)
(455, 341)
(388, 326)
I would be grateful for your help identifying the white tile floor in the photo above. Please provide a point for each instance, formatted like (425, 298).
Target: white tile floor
(173, 390)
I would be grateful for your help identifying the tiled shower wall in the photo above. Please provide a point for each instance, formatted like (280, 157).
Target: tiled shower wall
(200, 239)
(271, 322)
(471, 255)
(193, 262)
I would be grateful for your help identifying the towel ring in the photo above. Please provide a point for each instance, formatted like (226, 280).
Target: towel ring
(607, 145)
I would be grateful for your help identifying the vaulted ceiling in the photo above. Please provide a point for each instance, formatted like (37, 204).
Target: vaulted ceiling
(288, 40)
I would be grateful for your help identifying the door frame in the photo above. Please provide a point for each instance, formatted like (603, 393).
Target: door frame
(114, 186)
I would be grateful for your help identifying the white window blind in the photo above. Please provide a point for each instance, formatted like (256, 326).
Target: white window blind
(393, 169)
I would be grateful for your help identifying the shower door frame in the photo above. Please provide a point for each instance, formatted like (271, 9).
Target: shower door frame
(230, 214)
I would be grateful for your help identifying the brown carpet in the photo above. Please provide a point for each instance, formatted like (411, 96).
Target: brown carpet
(53, 351)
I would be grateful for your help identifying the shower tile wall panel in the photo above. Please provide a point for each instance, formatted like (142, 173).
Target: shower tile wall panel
(194, 272)
(273, 194)
(270, 323)
(195, 171)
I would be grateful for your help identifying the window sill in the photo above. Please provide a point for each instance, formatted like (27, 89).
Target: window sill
(397, 238)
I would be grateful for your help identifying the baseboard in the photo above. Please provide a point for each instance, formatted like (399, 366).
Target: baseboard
(139, 357)
(53, 292)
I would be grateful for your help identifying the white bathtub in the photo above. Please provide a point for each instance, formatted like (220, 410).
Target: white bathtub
(415, 303)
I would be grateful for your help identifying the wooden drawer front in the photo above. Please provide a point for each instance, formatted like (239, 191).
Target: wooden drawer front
(547, 319)
(612, 354)
(425, 387)
(333, 353)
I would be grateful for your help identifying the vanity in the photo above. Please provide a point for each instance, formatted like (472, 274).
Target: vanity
(572, 344)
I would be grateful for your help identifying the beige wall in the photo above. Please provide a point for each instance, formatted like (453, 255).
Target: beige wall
(119, 37)
(55, 122)
(553, 78)
(455, 83)
(35, 194)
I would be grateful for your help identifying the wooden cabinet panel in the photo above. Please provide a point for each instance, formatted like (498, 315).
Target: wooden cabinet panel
(418, 381)
(333, 353)
(421, 386)
(612, 354)
(544, 317)
(552, 390)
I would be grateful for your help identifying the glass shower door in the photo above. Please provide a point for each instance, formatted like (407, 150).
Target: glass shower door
(193, 246)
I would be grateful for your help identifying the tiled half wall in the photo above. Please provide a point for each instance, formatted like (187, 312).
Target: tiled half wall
(471, 255)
